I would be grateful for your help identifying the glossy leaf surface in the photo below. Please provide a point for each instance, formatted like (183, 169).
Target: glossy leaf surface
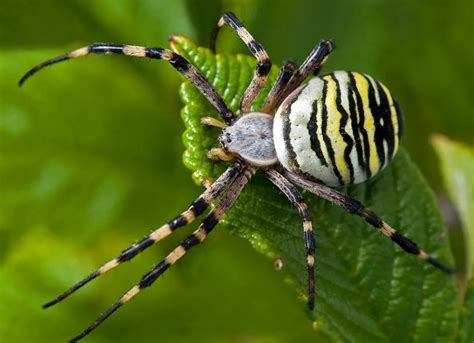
(367, 290)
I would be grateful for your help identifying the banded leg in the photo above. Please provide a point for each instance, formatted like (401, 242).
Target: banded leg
(313, 62)
(185, 218)
(207, 225)
(177, 61)
(274, 97)
(354, 206)
(297, 199)
(263, 60)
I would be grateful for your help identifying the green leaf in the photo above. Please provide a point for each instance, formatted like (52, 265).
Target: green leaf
(367, 289)
(466, 322)
(457, 165)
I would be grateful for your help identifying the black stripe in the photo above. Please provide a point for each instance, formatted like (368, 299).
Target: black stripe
(151, 276)
(196, 78)
(310, 271)
(254, 47)
(178, 222)
(377, 114)
(286, 72)
(440, 266)
(199, 206)
(190, 242)
(101, 319)
(101, 48)
(400, 119)
(406, 244)
(305, 214)
(293, 195)
(345, 136)
(292, 162)
(263, 67)
(355, 130)
(180, 63)
(132, 251)
(386, 114)
(156, 53)
(232, 20)
(327, 140)
(210, 222)
(363, 132)
(313, 133)
(309, 242)
(372, 219)
(352, 205)
(42, 65)
(71, 290)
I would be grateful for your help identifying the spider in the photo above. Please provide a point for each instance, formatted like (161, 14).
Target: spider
(338, 129)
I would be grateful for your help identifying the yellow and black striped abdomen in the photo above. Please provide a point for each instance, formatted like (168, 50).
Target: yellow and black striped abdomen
(341, 128)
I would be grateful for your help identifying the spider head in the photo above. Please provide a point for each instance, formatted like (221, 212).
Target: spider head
(251, 138)
(225, 139)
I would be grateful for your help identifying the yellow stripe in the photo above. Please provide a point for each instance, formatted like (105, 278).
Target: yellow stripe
(175, 255)
(133, 50)
(221, 22)
(387, 230)
(333, 129)
(363, 87)
(130, 294)
(161, 233)
(244, 35)
(200, 234)
(307, 226)
(109, 265)
(423, 255)
(79, 52)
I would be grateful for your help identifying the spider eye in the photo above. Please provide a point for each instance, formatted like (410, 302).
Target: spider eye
(225, 139)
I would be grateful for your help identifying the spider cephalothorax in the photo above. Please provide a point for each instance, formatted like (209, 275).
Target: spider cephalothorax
(338, 129)
(251, 138)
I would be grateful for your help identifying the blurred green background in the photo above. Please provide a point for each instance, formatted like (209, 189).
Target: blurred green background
(90, 155)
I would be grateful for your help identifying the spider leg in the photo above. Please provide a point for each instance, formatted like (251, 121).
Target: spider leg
(207, 225)
(211, 121)
(219, 154)
(176, 60)
(354, 206)
(263, 60)
(185, 218)
(274, 97)
(296, 199)
(313, 62)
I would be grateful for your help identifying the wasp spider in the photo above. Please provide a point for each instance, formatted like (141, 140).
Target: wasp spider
(338, 129)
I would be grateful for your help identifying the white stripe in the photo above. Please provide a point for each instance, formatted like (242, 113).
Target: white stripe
(278, 137)
(385, 149)
(300, 139)
(300, 114)
(360, 175)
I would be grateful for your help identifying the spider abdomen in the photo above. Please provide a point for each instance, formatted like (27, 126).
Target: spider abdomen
(341, 128)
